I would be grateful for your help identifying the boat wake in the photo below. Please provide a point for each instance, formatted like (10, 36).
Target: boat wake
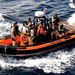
(55, 62)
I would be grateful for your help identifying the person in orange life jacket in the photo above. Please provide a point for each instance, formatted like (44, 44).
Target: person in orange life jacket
(41, 33)
(24, 40)
(40, 29)
(14, 32)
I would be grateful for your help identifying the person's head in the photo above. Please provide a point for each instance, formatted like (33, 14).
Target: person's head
(55, 15)
(44, 10)
(15, 24)
(40, 25)
(29, 19)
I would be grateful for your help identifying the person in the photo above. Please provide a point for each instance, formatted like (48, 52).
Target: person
(56, 21)
(31, 34)
(29, 22)
(14, 32)
(44, 10)
(41, 33)
(52, 32)
(24, 39)
(24, 28)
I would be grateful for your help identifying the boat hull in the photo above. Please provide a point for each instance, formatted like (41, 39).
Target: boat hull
(21, 51)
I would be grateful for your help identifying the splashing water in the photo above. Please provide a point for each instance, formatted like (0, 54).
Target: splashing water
(5, 26)
(71, 4)
(71, 20)
(1, 18)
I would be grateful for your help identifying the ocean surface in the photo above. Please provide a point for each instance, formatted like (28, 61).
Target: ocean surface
(60, 62)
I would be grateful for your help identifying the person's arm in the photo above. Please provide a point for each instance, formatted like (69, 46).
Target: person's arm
(53, 19)
(12, 31)
(28, 25)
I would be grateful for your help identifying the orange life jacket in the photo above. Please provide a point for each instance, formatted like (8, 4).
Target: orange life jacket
(24, 40)
(41, 31)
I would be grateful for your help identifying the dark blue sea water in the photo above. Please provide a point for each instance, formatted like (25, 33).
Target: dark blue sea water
(60, 62)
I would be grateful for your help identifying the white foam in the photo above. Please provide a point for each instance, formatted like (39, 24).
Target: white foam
(71, 20)
(6, 26)
(71, 1)
(1, 17)
(71, 4)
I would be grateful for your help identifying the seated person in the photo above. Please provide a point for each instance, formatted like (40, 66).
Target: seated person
(24, 40)
(41, 33)
(53, 33)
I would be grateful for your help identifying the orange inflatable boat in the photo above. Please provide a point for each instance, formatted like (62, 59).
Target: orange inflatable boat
(7, 49)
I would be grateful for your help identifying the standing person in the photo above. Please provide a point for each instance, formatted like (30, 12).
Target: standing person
(14, 32)
(31, 34)
(55, 21)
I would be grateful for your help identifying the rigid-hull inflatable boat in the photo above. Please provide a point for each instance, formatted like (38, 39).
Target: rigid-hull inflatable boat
(7, 49)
